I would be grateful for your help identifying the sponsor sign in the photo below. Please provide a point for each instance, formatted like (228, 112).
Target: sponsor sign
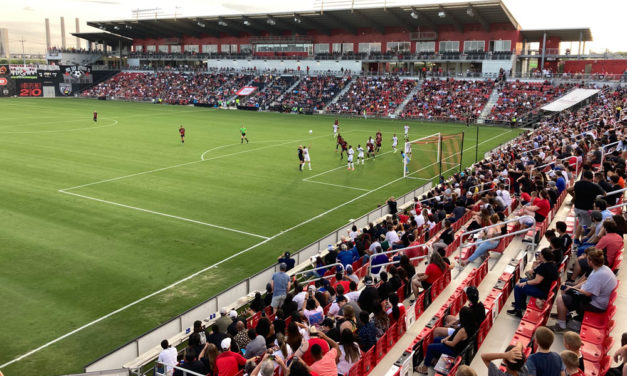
(246, 90)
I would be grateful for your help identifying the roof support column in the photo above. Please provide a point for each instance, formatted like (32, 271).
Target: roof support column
(579, 49)
(543, 51)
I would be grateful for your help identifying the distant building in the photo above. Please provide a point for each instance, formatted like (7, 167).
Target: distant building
(4, 43)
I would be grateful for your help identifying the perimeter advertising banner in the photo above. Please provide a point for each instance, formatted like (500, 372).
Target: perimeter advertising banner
(7, 85)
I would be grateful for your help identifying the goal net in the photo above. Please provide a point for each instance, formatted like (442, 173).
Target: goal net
(434, 155)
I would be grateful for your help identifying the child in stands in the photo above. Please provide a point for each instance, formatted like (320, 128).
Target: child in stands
(571, 361)
(544, 361)
(572, 342)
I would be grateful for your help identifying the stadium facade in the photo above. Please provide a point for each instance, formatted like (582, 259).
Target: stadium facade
(471, 39)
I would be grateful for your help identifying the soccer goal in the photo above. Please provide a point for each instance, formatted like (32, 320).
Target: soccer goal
(434, 155)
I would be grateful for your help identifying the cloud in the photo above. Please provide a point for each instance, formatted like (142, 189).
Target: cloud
(28, 8)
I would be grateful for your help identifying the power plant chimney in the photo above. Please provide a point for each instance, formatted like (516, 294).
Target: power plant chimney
(78, 40)
(62, 33)
(48, 46)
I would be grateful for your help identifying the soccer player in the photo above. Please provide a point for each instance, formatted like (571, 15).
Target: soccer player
(350, 153)
(95, 116)
(339, 141)
(306, 156)
(365, 115)
(360, 154)
(407, 159)
(406, 127)
(370, 148)
(343, 149)
(394, 142)
(408, 149)
(182, 133)
(242, 130)
(336, 128)
(378, 139)
(301, 157)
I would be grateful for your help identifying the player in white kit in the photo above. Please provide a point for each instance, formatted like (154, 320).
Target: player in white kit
(351, 152)
(408, 149)
(360, 154)
(336, 127)
(406, 127)
(394, 142)
(306, 155)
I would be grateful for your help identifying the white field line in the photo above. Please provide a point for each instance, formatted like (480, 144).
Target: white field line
(337, 185)
(164, 214)
(205, 269)
(115, 122)
(130, 305)
(308, 179)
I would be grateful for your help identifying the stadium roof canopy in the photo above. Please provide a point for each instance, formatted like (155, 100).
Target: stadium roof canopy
(105, 38)
(411, 18)
(565, 35)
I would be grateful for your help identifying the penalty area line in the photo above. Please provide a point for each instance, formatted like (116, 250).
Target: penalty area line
(164, 214)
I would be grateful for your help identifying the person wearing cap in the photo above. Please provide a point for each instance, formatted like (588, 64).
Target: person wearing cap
(339, 302)
(369, 297)
(287, 260)
(228, 362)
(280, 286)
(232, 329)
(223, 321)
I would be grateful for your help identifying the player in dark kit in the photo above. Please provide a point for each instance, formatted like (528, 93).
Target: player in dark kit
(301, 157)
(344, 145)
(95, 116)
(377, 140)
(182, 133)
(339, 142)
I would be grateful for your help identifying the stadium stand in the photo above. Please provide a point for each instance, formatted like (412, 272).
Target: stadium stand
(311, 94)
(328, 292)
(378, 96)
(448, 99)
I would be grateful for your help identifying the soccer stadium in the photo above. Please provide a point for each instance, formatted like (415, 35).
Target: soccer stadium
(351, 190)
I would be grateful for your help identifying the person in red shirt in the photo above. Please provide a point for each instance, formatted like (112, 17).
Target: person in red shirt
(228, 362)
(540, 207)
(95, 116)
(434, 270)
(182, 133)
(307, 357)
(325, 365)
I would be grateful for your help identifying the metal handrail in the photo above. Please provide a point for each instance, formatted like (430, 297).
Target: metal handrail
(624, 204)
(185, 371)
(392, 251)
(396, 262)
(614, 192)
(321, 267)
(552, 163)
(467, 245)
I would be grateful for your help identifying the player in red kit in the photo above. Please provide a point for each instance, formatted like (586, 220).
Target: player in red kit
(378, 139)
(95, 116)
(182, 133)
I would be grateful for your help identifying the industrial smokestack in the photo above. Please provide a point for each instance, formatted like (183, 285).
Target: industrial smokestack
(48, 46)
(78, 40)
(62, 33)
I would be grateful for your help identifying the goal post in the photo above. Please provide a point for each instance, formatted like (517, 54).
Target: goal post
(431, 156)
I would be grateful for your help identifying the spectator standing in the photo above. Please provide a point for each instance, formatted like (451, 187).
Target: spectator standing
(544, 361)
(584, 192)
(280, 286)
(167, 356)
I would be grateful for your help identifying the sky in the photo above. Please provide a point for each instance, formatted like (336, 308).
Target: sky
(25, 19)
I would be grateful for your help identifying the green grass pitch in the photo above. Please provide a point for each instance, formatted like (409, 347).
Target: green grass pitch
(98, 215)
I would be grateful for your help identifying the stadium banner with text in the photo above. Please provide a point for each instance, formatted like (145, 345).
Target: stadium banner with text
(246, 91)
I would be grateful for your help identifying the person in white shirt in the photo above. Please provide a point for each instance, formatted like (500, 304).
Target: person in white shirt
(406, 128)
(504, 195)
(167, 356)
(360, 154)
(391, 236)
(394, 142)
(351, 152)
(336, 127)
(306, 155)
